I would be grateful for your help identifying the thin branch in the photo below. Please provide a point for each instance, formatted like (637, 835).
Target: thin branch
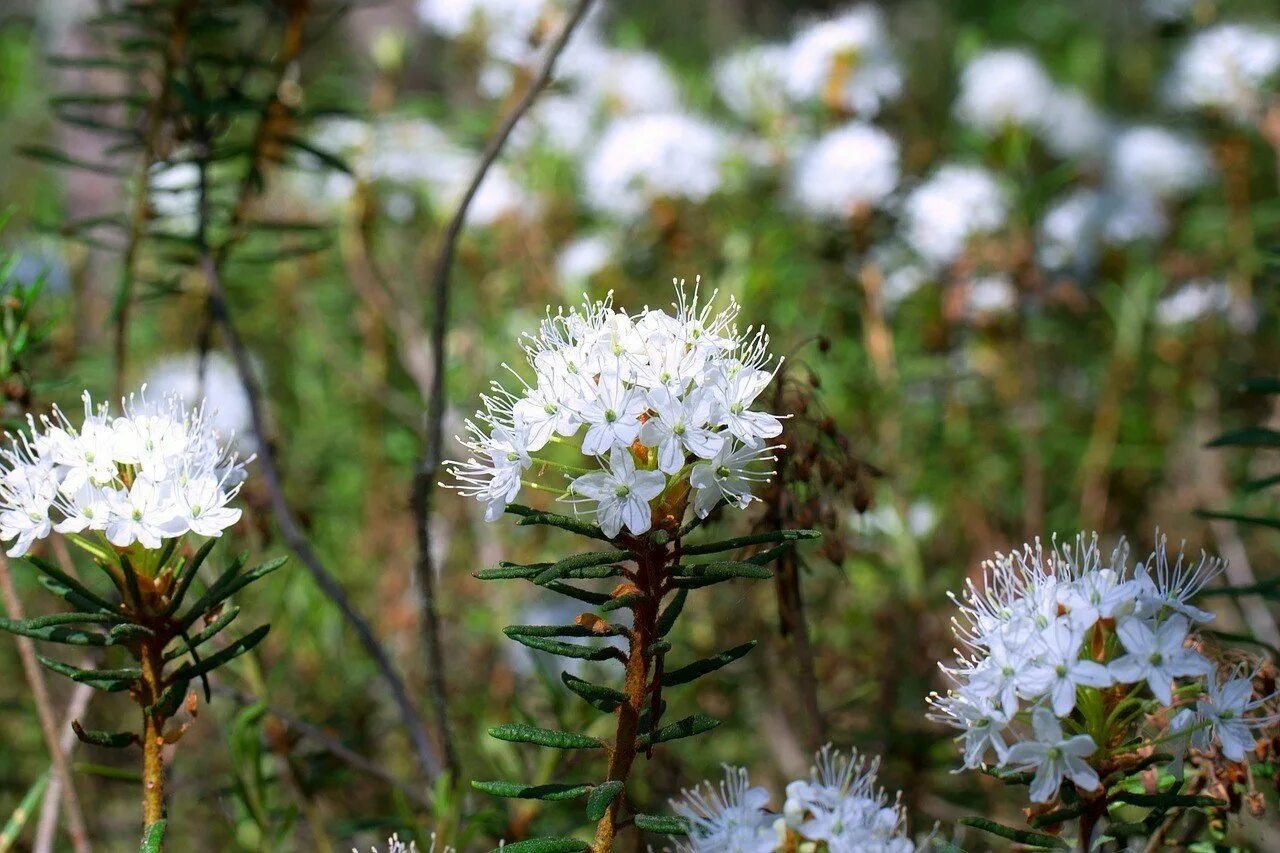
(429, 465)
(45, 714)
(293, 534)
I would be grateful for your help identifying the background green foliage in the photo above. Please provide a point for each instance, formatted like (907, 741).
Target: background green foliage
(982, 435)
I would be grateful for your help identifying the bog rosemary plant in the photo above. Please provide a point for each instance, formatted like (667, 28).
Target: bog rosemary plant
(640, 425)
(137, 492)
(1092, 683)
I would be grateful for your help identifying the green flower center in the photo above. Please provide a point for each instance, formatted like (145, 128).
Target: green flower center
(723, 471)
(1156, 659)
(622, 491)
(610, 415)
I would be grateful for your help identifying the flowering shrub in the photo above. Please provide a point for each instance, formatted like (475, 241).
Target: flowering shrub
(657, 409)
(132, 491)
(1074, 668)
(839, 808)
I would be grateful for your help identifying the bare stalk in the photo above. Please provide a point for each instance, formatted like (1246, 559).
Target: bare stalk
(45, 714)
(429, 464)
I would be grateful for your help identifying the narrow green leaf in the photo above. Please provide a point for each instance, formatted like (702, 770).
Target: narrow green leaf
(622, 601)
(667, 619)
(1247, 437)
(1262, 385)
(204, 636)
(596, 599)
(699, 668)
(545, 845)
(601, 698)
(725, 569)
(551, 793)
(753, 539)
(561, 631)
(14, 825)
(1257, 520)
(690, 726)
(1168, 800)
(187, 576)
(602, 796)
(568, 650)
(522, 733)
(661, 823)
(222, 656)
(766, 557)
(328, 158)
(53, 573)
(53, 157)
(108, 740)
(109, 680)
(1059, 816)
(510, 571)
(530, 516)
(562, 568)
(217, 596)
(171, 699)
(1022, 836)
(153, 837)
(54, 633)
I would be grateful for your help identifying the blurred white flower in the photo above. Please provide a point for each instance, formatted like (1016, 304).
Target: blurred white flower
(845, 62)
(1003, 88)
(583, 258)
(752, 81)
(1071, 127)
(174, 191)
(507, 29)
(643, 158)
(954, 204)
(1164, 163)
(989, 296)
(1169, 10)
(851, 167)
(563, 123)
(620, 82)
(227, 405)
(1201, 299)
(1076, 227)
(1226, 68)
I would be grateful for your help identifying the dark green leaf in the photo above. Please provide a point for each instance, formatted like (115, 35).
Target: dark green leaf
(562, 631)
(189, 573)
(230, 589)
(54, 157)
(509, 571)
(514, 790)
(1248, 437)
(753, 539)
(596, 599)
(564, 522)
(522, 733)
(667, 619)
(661, 823)
(545, 845)
(562, 568)
(170, 700)
(231, 652)
(1260, 521)
(602, 796)
(1262, 385)
(724, 570)
(568, 650)
(601, 698)
(108, 740)
(1031, 839)
(109, 680)
(333, 161)
(622, 601)
(66, 582)
(204, 636)
(690, 726)
(1168, 800)
(699, 668)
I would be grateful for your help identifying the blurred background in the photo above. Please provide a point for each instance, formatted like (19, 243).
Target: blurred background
(1021, 257)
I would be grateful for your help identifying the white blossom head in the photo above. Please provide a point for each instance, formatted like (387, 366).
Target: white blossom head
(842, 805)
(731, 817)
(1229, 69)
(850, 169)
(661, 404)
(845, 62)
(156, 472)
(213, 379)
(645, 158)
(1044, 630)
(1072, 127)
(582, 258)
(1160, 162)
(752, 81)
(1204, 299)
(954, 204)
(1003, 88)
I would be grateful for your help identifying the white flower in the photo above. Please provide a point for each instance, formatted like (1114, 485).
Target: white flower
(201, 505)
(982, 724)
(1156, 656)
(645, 158)
(956, 203)
(842, 805)
(1003, 88)
(752, 81)
(729, 477)
(679, 427)
(618, 82)
(1054, 758)
(1159, 584)
(734, 395)
(1227, 68)
(728, 818)
(1228, 708)
(142, 514)
(584, 257)
(1071, 127)
(217, 382)
(1201, 299)
(612, 413)
(845, 62)
(1163, 163)
(1060, 670)
(621, 493)
(989, 295)
(852, 167)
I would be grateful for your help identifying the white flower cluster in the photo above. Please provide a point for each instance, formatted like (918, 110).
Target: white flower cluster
(955, 204)
(158, 471)
(840, 805)
(1227, 68)
(1050, 628)
(845, 62)
(652, 399)
(851, 168)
